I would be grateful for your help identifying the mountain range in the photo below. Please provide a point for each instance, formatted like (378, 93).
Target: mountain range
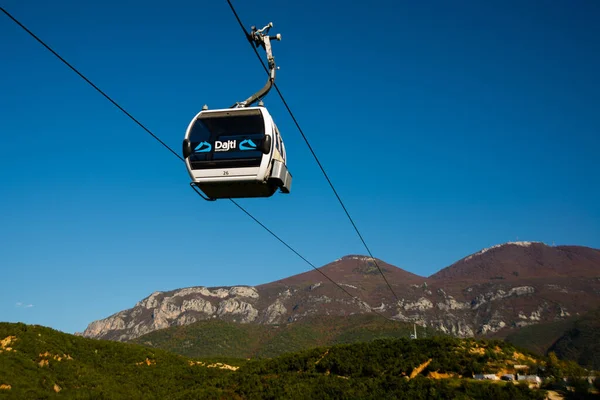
(489, 293)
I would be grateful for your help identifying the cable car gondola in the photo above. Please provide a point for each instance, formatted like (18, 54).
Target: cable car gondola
(238, 152)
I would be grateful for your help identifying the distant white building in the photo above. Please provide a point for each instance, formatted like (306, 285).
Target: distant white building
(490, 377)
(530, 379)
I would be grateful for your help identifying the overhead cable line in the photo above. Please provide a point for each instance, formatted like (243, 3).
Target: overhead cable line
(181, 159)
(311, 264)
(90, 82)
(313, 152)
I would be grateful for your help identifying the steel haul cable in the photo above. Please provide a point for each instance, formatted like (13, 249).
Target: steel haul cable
(314, 154)
(181, 159)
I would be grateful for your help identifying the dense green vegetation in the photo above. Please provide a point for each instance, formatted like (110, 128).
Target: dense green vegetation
(228, 339)
(41, 363)
(89, 368)
(539, 337)
(581, 343)
(576, 339)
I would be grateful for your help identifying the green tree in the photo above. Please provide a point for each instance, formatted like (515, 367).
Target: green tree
(553, 367)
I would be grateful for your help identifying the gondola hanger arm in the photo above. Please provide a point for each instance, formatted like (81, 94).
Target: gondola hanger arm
(261, 38)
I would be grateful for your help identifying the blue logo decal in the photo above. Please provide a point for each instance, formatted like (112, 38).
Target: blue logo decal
(203, 147)
(247, 145)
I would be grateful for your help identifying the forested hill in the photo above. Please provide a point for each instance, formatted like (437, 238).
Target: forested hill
(217, 338)
(581, 343)
(38, 362)
(576, 339)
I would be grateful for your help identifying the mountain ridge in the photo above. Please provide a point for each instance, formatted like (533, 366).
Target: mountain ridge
(525, 259)
(494, 290)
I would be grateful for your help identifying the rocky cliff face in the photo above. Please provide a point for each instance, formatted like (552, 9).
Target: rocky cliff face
(181, 307)
(490, 292)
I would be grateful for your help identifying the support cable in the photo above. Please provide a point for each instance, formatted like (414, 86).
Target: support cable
(242, 26)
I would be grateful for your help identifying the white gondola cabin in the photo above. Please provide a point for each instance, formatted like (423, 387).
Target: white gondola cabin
(236, 152)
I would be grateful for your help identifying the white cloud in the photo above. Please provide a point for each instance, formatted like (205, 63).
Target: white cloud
(21, 305)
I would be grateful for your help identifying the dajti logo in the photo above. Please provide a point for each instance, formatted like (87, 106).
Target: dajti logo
(203, 147)
(225, 146)
(247, 144)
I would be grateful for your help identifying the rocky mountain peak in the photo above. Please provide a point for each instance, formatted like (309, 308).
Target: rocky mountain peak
(357, 257)
(498, 246)
(516, 260)
(364, 265)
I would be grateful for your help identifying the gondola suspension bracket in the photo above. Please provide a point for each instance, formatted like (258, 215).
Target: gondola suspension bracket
(261, 38)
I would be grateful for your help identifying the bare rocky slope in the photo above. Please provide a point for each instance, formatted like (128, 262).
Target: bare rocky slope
(488, 293)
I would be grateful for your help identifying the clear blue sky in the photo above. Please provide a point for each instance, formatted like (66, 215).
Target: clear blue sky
(445, 126)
